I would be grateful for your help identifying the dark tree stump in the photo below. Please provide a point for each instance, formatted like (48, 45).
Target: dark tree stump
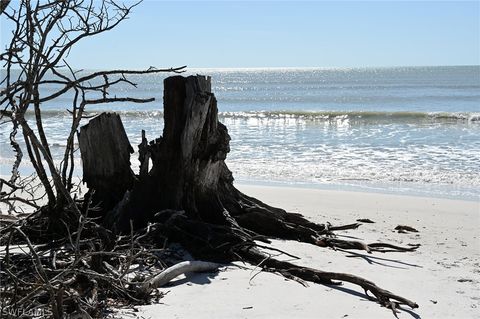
(189, 171)
(188, 160)
(105, 151)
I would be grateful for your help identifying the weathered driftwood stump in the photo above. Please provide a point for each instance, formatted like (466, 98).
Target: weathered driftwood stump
(105, 152)
(189, 172)
(189, 194)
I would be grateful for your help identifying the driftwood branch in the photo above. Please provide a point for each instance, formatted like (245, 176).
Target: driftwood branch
(174, 271)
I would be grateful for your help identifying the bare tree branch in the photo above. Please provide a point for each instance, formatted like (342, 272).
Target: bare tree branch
(44, 32)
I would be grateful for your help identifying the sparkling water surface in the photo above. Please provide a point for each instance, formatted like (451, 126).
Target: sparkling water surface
(413, 130)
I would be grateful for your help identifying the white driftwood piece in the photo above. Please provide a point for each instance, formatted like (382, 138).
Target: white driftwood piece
(184, 267)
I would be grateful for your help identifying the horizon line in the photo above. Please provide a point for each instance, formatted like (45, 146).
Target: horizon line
(187, 68)
(333, 67)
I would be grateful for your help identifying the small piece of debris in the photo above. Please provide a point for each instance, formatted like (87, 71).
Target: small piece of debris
(405, 228)
(465, 280)
(365, 220)
(434, 302)
(249, 307)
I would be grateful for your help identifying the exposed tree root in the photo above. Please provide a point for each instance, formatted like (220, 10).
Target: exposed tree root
(289, 270)
(234, 244)
(369, 248)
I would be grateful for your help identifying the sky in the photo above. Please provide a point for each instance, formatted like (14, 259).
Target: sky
(231, 34)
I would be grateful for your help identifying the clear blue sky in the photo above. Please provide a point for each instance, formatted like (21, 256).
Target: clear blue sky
(288, 34)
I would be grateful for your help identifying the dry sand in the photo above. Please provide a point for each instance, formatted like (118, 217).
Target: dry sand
(443, 276)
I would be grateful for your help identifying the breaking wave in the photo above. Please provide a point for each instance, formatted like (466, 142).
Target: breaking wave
(305, 115)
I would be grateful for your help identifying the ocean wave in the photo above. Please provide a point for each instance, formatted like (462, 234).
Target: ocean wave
(130, 113)
(305, 115)
(356, 115)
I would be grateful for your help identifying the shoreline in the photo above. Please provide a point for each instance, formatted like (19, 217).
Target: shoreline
(442, 276)
(374, 187)
(439, 191)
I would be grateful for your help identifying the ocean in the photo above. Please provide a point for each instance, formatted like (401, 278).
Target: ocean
(405, 130)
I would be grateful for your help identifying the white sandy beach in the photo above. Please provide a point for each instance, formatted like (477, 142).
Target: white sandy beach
(443, 276)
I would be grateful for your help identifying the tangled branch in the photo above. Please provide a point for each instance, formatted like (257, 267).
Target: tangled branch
(35, 58)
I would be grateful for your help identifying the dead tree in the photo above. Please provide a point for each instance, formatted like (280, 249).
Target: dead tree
(189, 193)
